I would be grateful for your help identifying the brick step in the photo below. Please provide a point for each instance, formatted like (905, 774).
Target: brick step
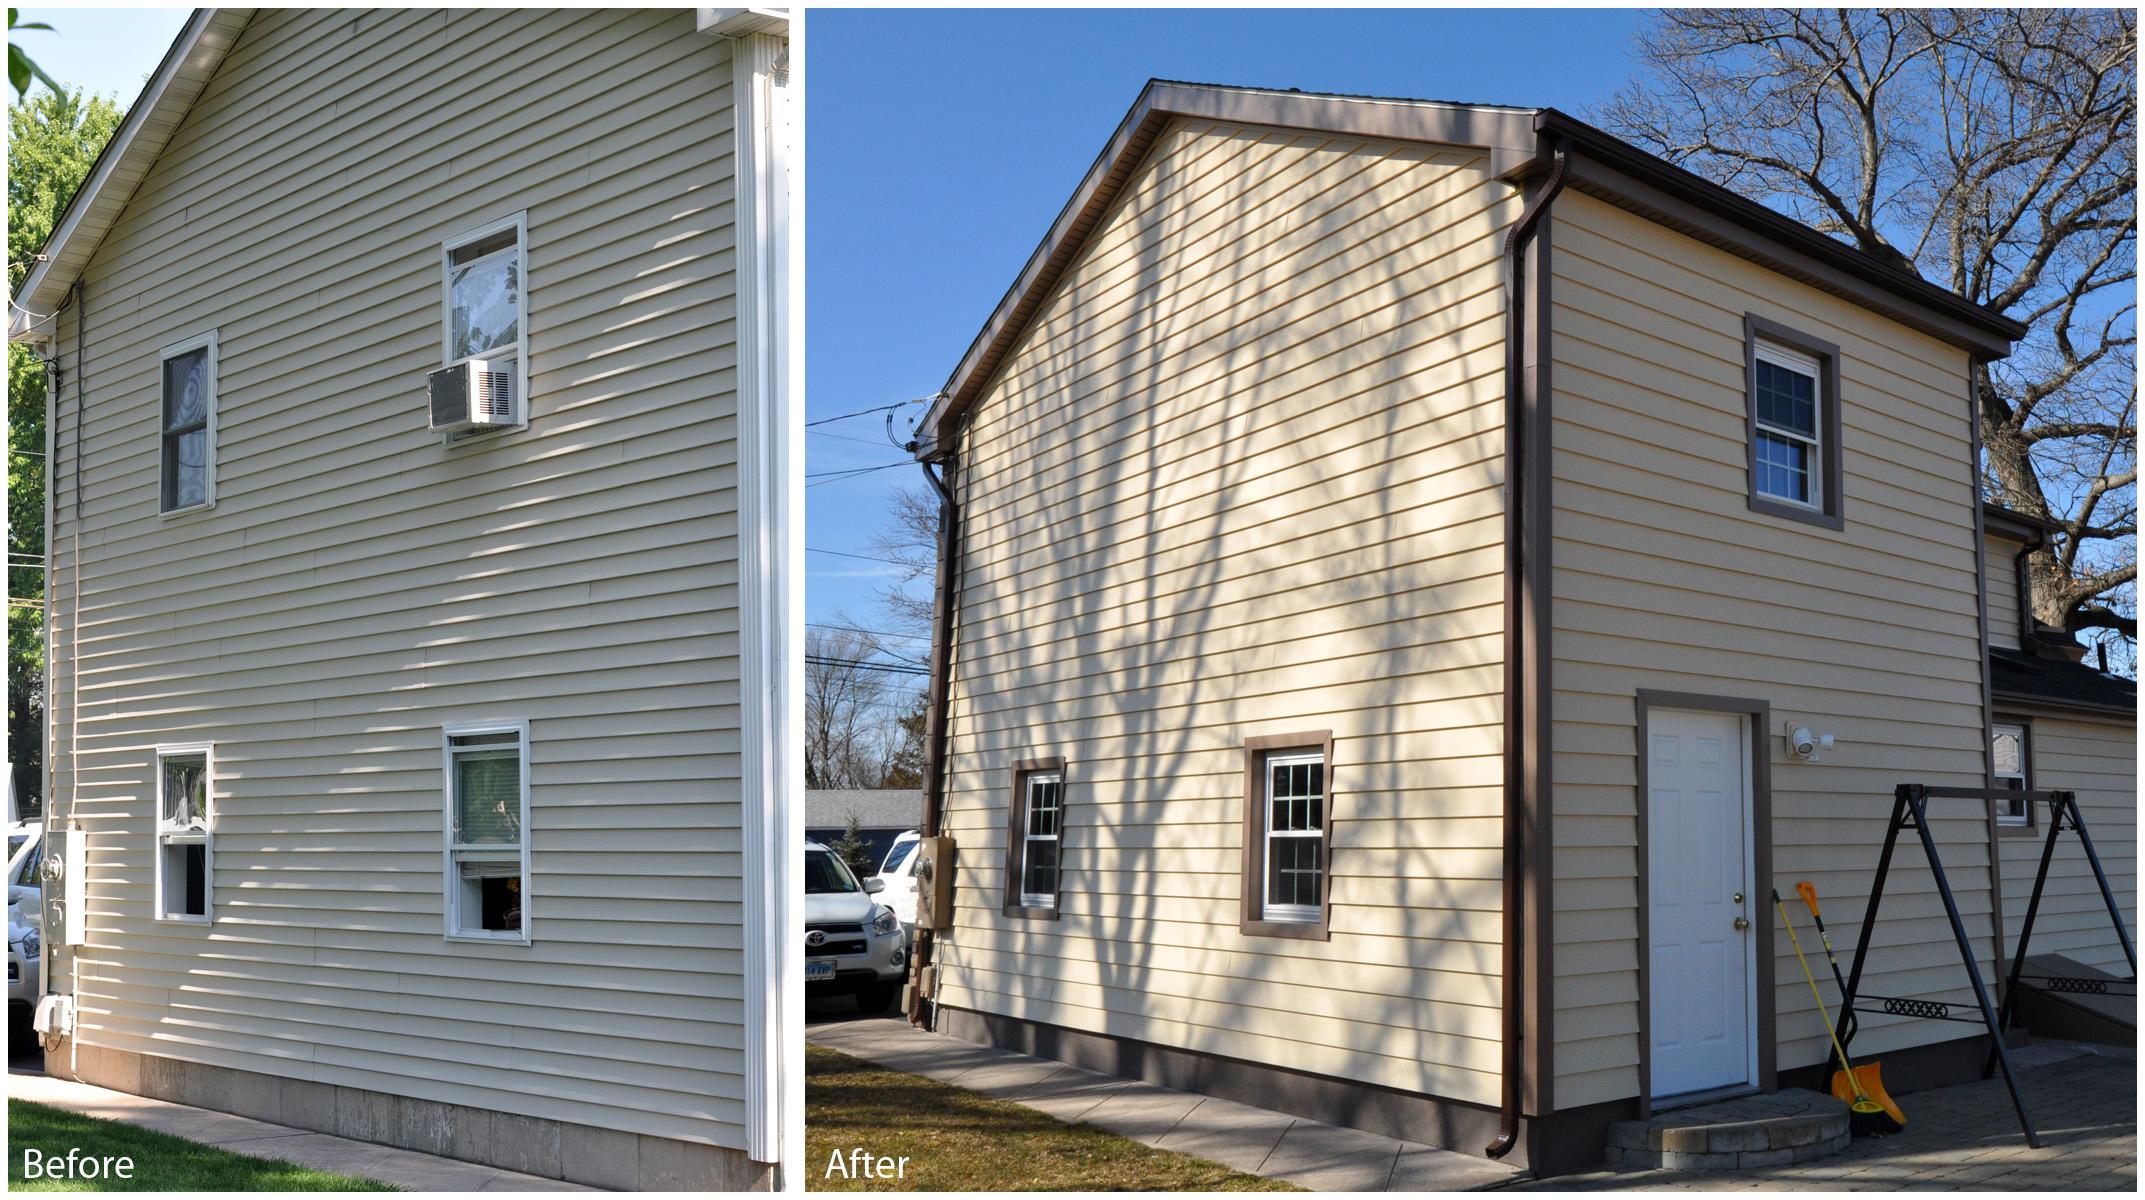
(1746, 1132)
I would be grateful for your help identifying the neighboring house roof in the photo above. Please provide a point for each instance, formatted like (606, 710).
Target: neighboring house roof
(164, 102)
(1601, 165)
(2013, 524)
(2024, 678)
(876, 808)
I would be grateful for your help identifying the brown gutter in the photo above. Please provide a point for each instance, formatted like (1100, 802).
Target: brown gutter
(1519, 840)
(949, 541)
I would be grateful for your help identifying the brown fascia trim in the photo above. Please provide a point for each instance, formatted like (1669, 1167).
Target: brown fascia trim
(1016, 819)
(1254, 923)
(2025, 703)
(1613, 170)
(1603, 166)
(1508, 133)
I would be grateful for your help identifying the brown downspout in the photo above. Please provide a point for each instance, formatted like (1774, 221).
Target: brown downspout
(2027, 641)
(1516, 834)
(949, 527)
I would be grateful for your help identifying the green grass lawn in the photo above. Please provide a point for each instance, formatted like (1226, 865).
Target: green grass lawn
(958, 1140)
(162, 1163)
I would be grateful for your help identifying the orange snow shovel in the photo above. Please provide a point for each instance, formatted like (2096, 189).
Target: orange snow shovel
(1869, 1109)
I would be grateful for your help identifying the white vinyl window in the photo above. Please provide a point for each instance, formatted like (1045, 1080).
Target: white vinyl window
(485, 301)
(487, 821)
(1040, 839)
(187, 425)
(1295, 852)
(1787, 410)
(2007, 762)
(185, 822)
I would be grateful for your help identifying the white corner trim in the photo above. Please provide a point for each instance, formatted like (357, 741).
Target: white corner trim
(770, 553)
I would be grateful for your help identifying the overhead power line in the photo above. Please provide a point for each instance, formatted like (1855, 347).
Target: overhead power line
(865, 412)
(821, 660)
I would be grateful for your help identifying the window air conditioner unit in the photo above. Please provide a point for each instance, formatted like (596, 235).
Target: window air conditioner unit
(474, 395)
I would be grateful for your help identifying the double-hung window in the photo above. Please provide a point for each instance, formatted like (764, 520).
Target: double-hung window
(1035, 834)
(1793, 423)
(187, 425)
(487, 861)
(485, 290)
(2008, 749)
(1287, 828)
(1790, 452)
(185, 856)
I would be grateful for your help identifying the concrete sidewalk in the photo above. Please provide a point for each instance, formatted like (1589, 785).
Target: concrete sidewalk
(242, 1135)
(1254, 1140)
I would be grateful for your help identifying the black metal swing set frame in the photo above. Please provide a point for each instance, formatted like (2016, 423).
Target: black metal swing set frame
(1910, 810)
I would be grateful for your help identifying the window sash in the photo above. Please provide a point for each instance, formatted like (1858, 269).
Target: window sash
(466, 864)
(1813, 474)
(191, 877)
(2014, 811)
(1312, 835)
(1043, 793)
(181, 485)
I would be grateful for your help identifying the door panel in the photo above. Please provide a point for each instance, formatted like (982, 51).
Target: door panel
(1698, 862)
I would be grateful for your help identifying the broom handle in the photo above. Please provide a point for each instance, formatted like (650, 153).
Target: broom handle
(1815, 995)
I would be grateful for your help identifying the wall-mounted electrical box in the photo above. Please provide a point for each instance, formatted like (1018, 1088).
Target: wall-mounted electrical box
(65, 887)
(934, 883)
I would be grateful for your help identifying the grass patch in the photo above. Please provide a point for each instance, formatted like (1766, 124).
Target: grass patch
(162, 1163)
(958, 1140)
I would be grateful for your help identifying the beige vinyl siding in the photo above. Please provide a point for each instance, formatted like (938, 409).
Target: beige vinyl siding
(2002, 557)
(359, 584)
(2098, 760)
(1242, 477)
(1664, 579)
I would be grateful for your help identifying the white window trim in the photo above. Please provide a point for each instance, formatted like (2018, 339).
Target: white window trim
(168, 835)
(208, 484)
(449, 877)
(2023, 818)
(1028, 840)
(1301, 914)
(519, 223)
(1801, 364)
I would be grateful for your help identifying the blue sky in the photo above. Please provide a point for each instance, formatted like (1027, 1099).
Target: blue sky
(110, 51)
(943, 143)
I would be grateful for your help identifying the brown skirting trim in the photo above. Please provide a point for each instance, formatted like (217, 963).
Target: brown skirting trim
(604, 1158)
(1568, 1141)
(1915, 1069)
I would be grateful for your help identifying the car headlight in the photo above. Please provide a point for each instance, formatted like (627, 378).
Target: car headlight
(30, 944)
(886, 923)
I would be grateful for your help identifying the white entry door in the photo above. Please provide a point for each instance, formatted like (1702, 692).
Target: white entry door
(1702, 900)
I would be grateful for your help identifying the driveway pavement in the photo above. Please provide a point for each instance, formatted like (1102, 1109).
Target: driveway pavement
(2083, 1101)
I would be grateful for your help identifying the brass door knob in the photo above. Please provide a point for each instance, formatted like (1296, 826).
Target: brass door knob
(1742, 922)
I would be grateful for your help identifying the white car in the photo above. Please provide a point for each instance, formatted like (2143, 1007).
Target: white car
(898, 874)
(853, 944)
(25, 913)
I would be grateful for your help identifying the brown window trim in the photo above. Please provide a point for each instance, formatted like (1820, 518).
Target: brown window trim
(1255, 923)
(2032, 826)
(1755, 330)
(1016, 828)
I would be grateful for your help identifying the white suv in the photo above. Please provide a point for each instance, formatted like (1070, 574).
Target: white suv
(898, 874)
(852, 943)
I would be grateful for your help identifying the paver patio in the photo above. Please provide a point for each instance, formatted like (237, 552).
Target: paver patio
(2083, 1100)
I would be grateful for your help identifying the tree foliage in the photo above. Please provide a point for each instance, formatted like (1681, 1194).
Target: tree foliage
(53, 138)
(1993, 151)
(21, 68)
